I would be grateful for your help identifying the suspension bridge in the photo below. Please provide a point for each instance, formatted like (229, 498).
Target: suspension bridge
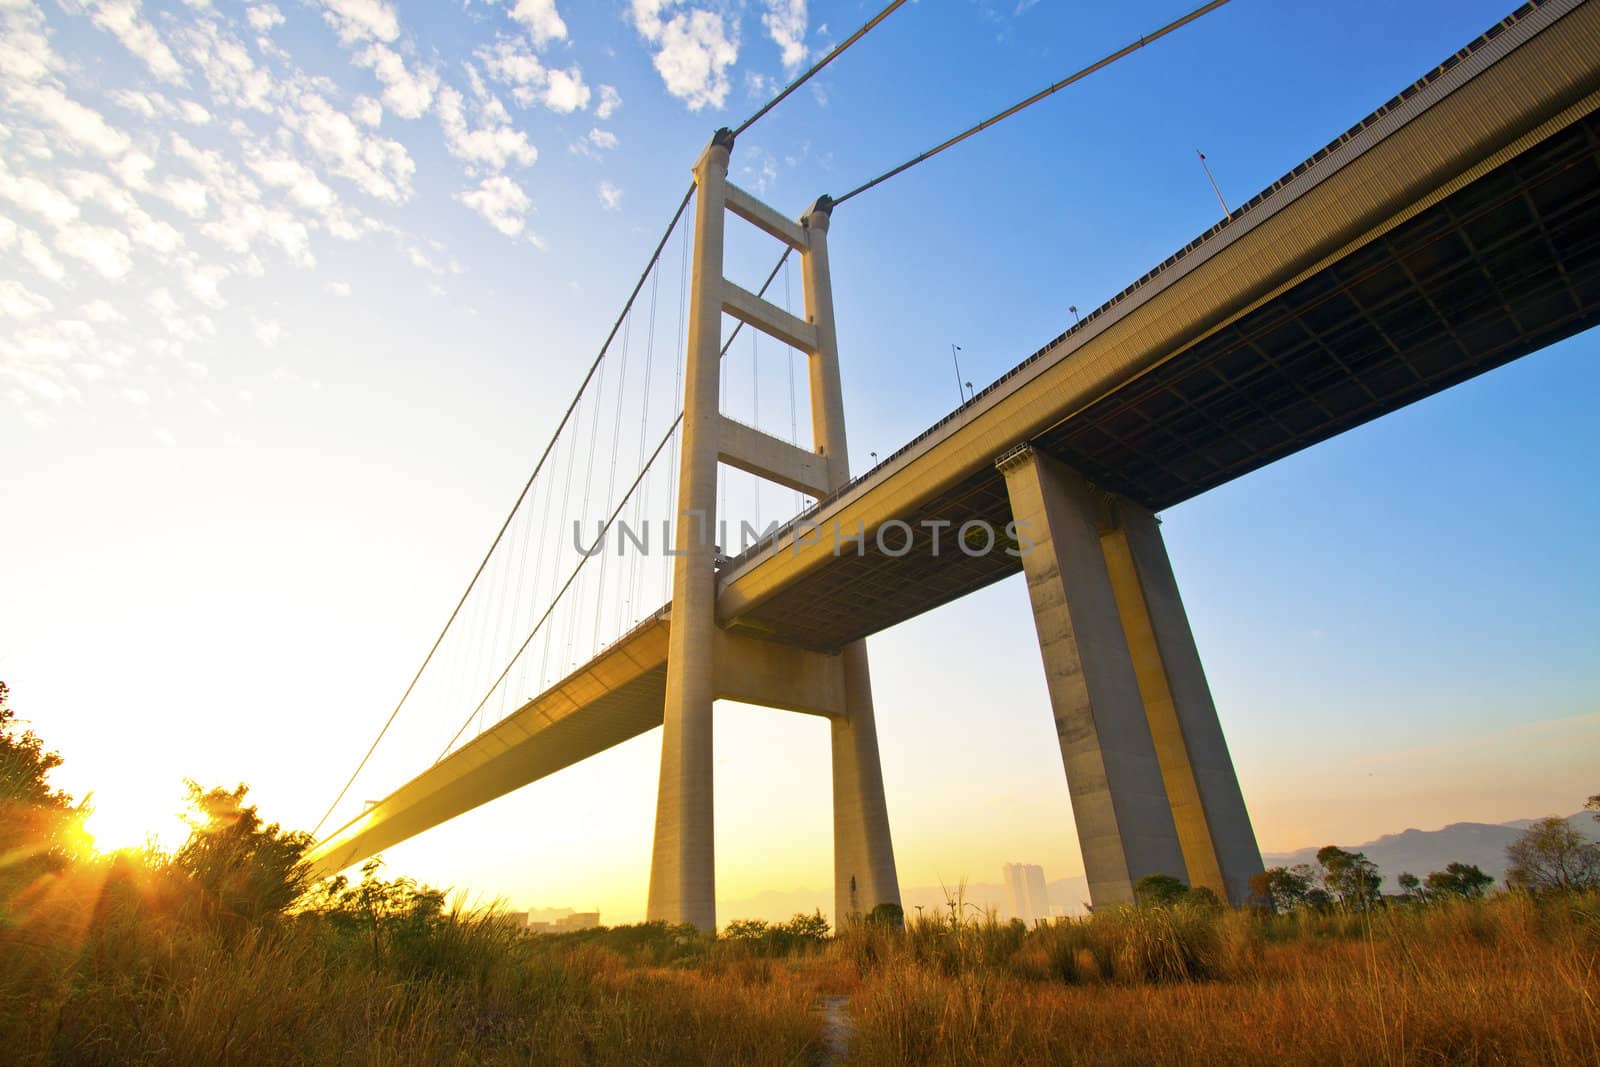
(1454, 229)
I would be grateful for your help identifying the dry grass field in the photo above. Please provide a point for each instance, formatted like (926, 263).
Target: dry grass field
(115, 961)
(222, 952)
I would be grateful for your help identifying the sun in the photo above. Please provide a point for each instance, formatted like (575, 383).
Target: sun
(130, 821)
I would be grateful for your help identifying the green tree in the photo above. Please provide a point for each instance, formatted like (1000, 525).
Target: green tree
(1159, 891)
(745, 930)
(1593, 805)
(1551, 855)
(243, 868)
(1410, 885)
(36, 820)
(1280, 888)
(810, 929)
(399, 914)
(1463, 880)
(1350, 877)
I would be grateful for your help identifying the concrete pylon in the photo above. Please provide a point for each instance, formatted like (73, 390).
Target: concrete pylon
(1214, 828)
(683, 871)
(863, 852)
(705, 662)
(1153, 789)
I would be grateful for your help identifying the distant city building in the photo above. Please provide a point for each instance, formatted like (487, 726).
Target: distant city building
(1025, 884)
(578, 920)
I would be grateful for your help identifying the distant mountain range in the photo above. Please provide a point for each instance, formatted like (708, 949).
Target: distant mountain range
(1417, 851)
(1423, 851)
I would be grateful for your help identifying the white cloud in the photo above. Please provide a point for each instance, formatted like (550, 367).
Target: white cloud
(133, 169)
(361, 20)
(602, 138)
(17, 301)
(154, 105)
(229, 70)
(268, 332)
(204, 282)
(785, 21)
(300, 181)
(25, 53)
(492, 144)
(136, 397)
(379, 167)
(610, 101)
(106, 250)
(502, 203)
(92, 187)
(140, 103)
(694, 49)
(758, 169)
(32, 195)
(337, 288)
(511, 64)
(121, 19)
(531, 82)
(36, 254)
(185, 194)
(408, 93)
(101, 311)
(610, 196)
(367, 111)
(565, 91)
(83, 126)
(264, 17)
(541, 19)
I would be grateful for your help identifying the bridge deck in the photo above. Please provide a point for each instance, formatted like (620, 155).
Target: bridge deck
(617, 695)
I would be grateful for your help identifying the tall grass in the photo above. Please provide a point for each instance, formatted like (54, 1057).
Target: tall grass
(1509, 980)
(105, 968)
(109, 963)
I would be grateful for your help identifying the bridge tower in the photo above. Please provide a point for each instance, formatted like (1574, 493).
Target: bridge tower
(706, 662)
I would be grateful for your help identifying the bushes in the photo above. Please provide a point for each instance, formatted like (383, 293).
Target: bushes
(777, 939)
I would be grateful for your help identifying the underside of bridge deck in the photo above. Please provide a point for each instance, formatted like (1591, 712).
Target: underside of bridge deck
(1501, 268)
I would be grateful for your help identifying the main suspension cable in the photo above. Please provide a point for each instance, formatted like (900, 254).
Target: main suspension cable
(1149, 38)
(816, 67)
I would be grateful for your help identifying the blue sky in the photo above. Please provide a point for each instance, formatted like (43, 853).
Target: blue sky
(294, 293)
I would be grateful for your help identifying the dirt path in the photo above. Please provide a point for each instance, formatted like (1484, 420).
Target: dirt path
(836, 1028)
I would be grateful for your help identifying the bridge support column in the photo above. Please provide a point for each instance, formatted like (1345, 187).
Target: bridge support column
(1153, 790)
(1125, 825)
(863, 853)
(683, 863)
(1219, 843)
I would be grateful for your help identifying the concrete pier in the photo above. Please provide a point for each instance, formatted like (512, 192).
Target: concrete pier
(1216, 812)
(1125, 825)
(1135, 789)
